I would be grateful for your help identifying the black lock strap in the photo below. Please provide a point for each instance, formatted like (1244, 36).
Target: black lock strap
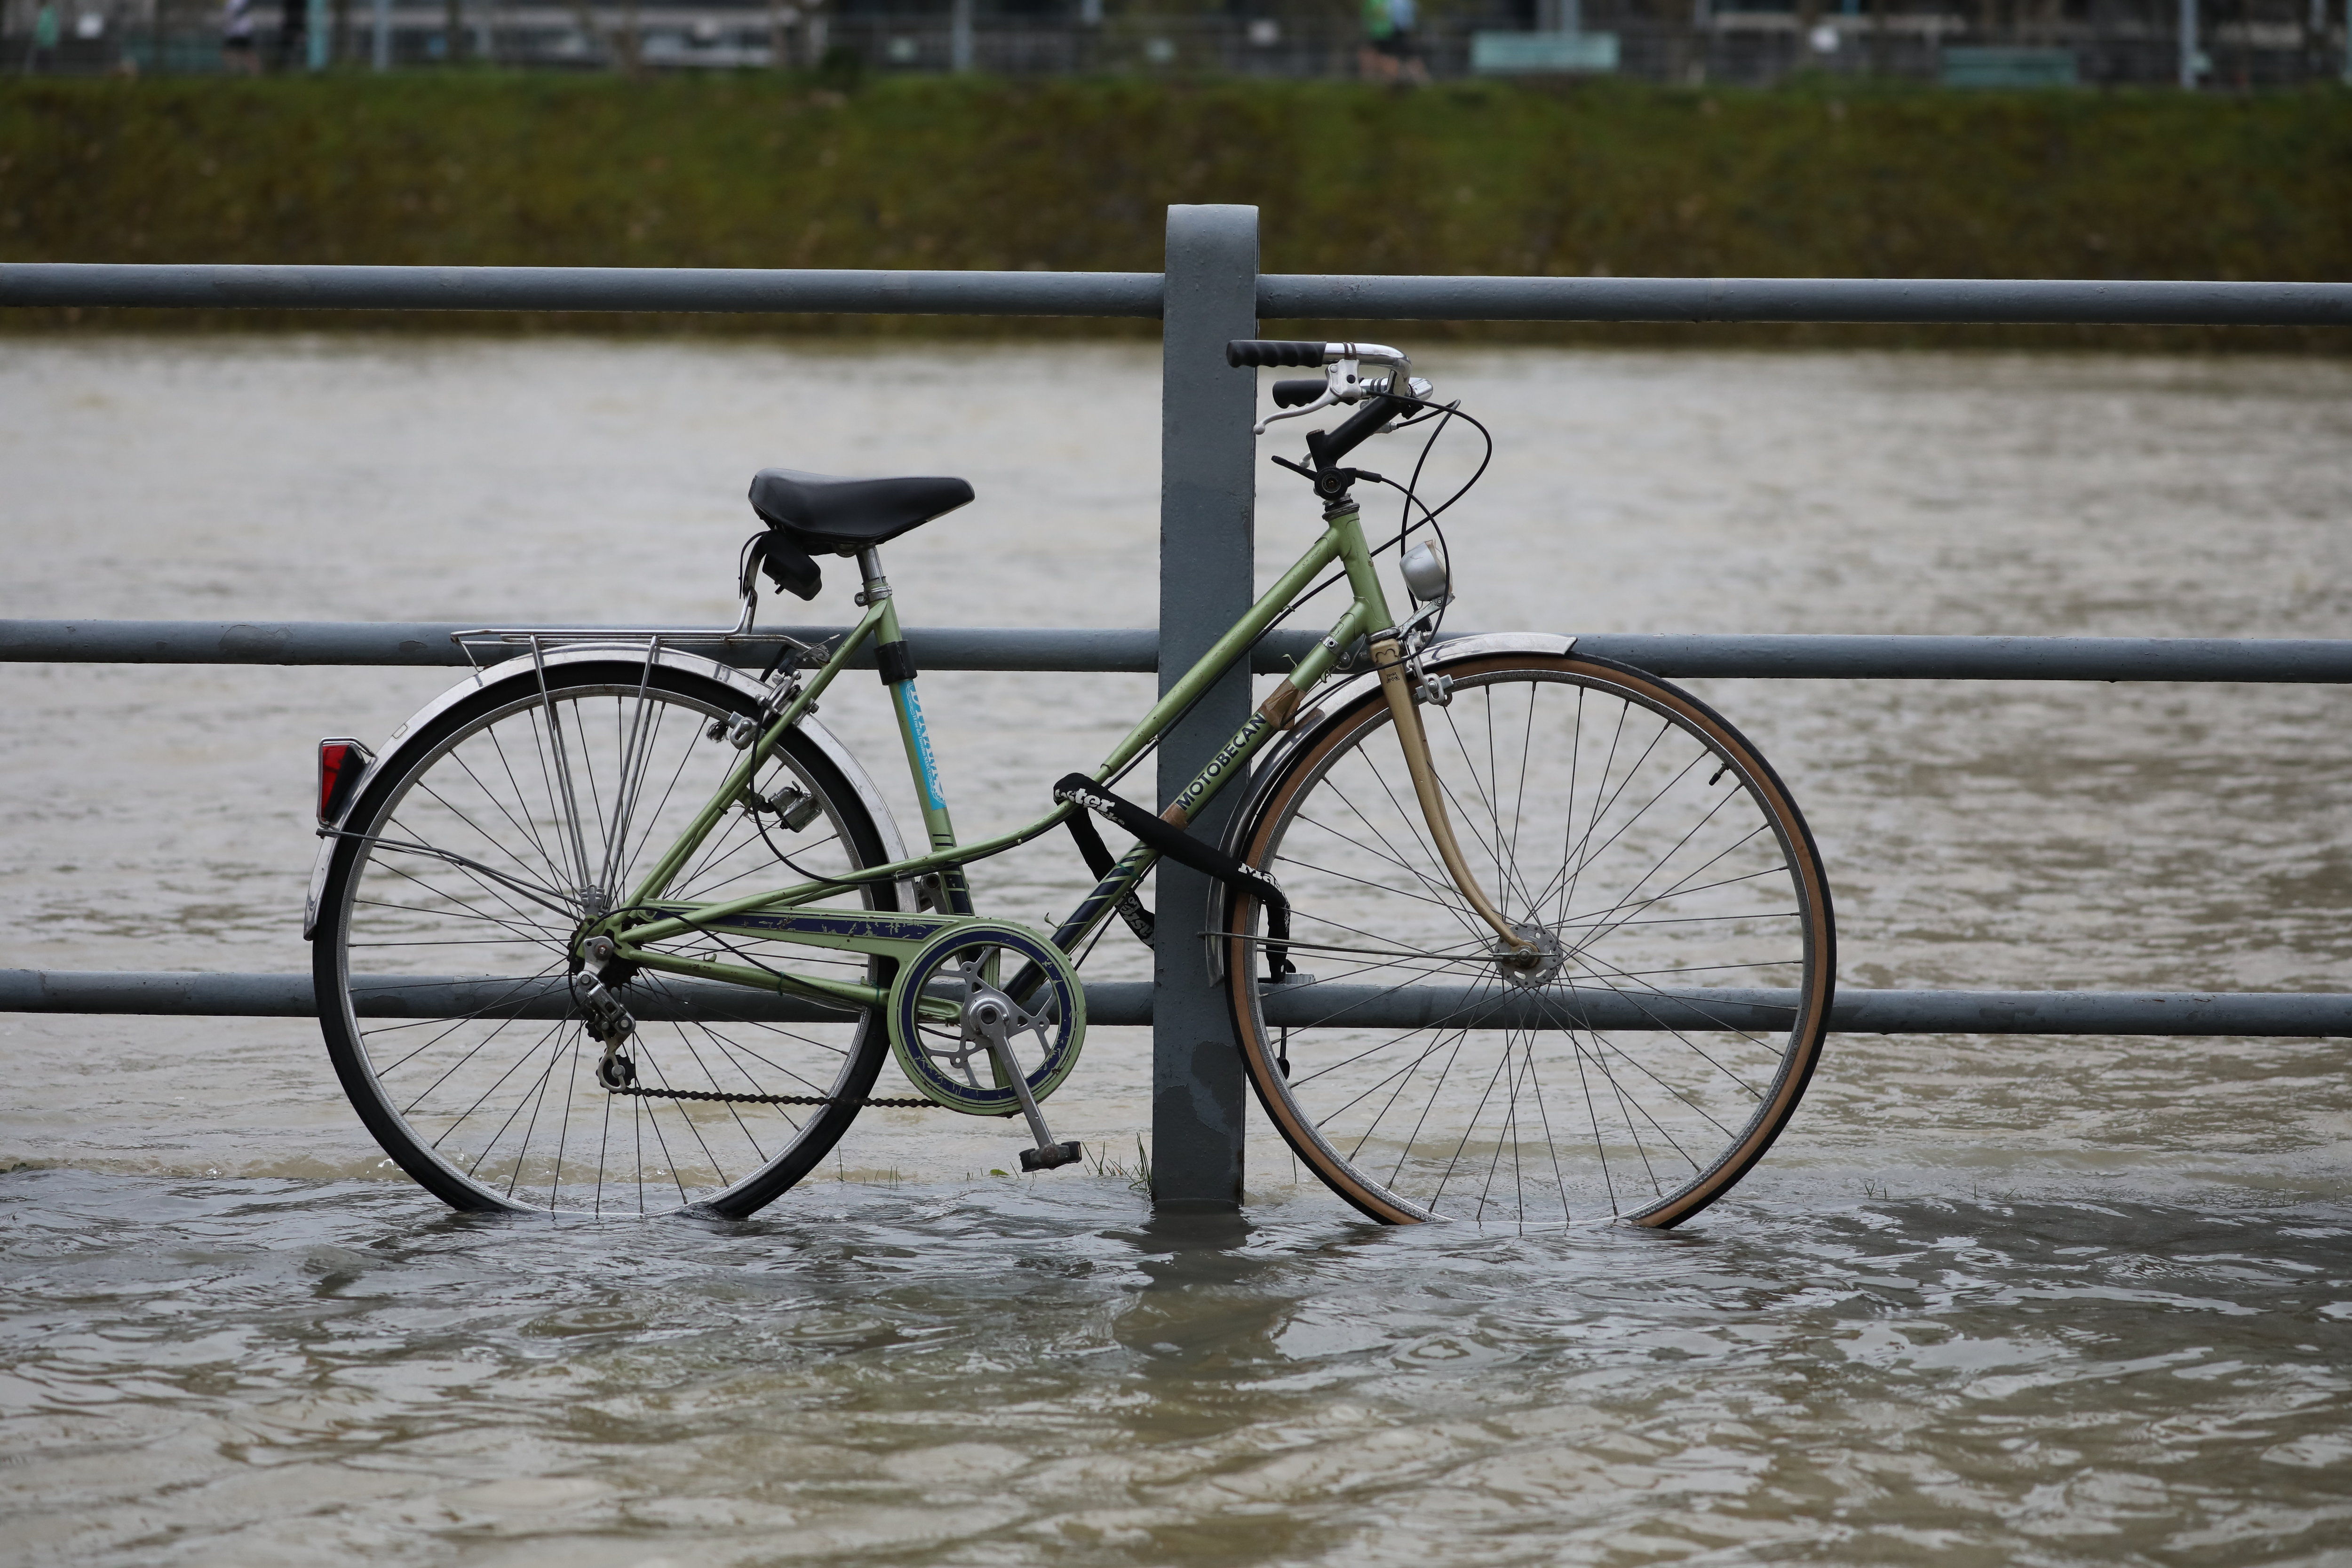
(1098, 859)
(1181, 846)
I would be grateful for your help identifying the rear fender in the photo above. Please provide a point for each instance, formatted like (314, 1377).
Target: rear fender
(522, 668)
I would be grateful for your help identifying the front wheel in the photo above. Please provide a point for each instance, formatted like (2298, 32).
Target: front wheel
(1658, 1038)
(443, 963)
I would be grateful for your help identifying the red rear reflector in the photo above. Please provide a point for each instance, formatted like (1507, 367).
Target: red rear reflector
(340, 763)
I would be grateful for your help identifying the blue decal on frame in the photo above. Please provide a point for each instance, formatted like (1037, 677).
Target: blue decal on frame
(913, 709)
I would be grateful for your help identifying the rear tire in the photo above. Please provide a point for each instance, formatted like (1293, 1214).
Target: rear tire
(1664, 867)
(485, 1091)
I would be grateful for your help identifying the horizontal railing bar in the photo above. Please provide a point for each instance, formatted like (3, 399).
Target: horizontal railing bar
(2104, 302)
(427, 643)
(1821, 657)
(765, 290)
(1133, 650)
(197, 285)
(1854, 1012)
(2187, 1012)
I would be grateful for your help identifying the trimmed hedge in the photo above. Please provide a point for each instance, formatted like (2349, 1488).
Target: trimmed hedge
(761, 170)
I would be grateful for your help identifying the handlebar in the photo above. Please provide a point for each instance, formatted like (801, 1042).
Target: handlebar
(1292, 394)
(1343, 382)
(1242, 351)
(1271, 351)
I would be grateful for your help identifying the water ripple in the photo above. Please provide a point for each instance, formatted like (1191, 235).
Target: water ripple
(1032, 1374)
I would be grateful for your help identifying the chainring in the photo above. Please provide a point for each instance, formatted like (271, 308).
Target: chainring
(974, 967)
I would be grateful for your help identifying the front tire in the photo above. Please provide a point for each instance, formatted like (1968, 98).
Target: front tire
(444, 968)
(1635, 1071)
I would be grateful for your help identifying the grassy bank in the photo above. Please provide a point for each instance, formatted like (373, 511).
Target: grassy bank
(758, 171)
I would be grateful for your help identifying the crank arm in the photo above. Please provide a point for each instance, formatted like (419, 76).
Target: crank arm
(1048, 1153)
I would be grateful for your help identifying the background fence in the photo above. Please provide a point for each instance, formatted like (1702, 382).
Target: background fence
(2233, 45)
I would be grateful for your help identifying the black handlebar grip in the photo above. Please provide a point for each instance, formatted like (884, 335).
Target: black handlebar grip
(1292, 394)
(1265, 351)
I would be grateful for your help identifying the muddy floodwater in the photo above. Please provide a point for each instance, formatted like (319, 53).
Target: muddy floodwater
(1996, 1300)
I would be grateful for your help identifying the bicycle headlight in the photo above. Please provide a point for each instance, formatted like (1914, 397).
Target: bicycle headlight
(1425, 575)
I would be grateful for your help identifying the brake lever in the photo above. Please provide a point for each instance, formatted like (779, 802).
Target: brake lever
(1326, 401)
(1343, 384)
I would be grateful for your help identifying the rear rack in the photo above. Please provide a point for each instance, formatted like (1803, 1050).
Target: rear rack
(537, 638)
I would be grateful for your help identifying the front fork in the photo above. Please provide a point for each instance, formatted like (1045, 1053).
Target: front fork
(1396, 684)
(1389, 659)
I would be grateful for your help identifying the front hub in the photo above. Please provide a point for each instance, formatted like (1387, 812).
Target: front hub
(1529, 967)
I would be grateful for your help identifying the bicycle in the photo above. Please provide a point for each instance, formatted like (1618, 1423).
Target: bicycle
(1576, 951)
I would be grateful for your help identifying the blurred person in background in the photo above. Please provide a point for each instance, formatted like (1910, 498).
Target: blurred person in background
(1388, 53)
(43, 51)
(237, 38)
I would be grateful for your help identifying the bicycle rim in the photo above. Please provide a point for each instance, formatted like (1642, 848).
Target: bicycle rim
(444, 966)
(1663, 1038)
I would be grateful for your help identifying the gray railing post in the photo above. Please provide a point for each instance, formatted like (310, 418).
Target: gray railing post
(1206, 580)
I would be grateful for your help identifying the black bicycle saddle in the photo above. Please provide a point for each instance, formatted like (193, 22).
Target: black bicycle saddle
(812, 514)
(825, 515)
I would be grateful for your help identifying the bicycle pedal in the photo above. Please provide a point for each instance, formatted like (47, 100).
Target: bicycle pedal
(1046, 1159)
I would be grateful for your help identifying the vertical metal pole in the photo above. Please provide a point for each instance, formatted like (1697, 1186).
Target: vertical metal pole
(1207, 489)
(960, 36)
(383, 58)
(2189, 45)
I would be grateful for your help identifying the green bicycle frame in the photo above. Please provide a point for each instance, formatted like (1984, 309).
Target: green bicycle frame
(767, 916)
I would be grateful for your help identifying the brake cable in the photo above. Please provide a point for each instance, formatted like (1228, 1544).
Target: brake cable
(1445, 414)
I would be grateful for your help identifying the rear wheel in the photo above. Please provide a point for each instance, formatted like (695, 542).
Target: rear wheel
(444, 964)
(1662, 1032)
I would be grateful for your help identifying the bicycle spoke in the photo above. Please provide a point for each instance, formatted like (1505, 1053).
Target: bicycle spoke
(523, 828)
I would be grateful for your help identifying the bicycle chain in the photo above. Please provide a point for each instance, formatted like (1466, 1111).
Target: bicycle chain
(642, 1093)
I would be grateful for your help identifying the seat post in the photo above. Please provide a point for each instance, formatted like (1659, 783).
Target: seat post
(869, 566)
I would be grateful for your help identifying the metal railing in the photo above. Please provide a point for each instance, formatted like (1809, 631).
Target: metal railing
(1211, 292)
(1136, 651)
(1300, 295)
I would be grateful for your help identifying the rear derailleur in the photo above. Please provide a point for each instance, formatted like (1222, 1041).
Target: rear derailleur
(609, 1021)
